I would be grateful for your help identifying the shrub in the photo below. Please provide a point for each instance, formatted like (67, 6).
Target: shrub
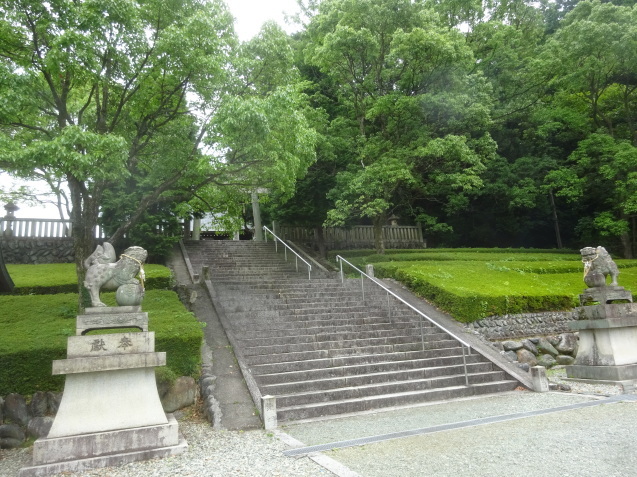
(61, 278)
(35, 328)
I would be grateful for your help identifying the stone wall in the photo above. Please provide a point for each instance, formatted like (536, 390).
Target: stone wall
(497, 328)
(33, 251)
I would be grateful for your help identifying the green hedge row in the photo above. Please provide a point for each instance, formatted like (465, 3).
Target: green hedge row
(35, 330)
(55, 278)
(474, 306)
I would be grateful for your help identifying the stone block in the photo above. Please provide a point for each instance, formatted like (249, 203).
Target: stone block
(110, 344)
(182, 393)
(108, 363)
(540, 381)
(15, 409)
(114, 317)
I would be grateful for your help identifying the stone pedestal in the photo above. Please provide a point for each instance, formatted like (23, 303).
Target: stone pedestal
(607, 339)
(110, 412)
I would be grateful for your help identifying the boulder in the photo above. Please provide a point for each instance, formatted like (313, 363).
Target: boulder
(15, 409)
(528, 345)
(181, 394)
(498, 345)
(11, 436)
(564, 359)
(510, 355)
(53, 400)
(567, 343)
(525, 356)
(554, 340)
(545, 347)
(39, 404)
(39, 426)
(511, 345)
(546, 360)
(524, 367)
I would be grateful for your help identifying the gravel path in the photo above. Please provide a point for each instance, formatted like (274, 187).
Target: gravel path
(210, 453)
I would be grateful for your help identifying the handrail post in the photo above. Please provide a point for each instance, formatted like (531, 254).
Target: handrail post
(363, 286)
(464, 363)
(285, 251)
(389, 307)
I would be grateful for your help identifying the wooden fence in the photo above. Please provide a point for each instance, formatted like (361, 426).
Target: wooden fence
(38, 228)
(360, 236)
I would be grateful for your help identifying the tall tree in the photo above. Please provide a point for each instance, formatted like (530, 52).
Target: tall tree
(410, 113)
(135, 97)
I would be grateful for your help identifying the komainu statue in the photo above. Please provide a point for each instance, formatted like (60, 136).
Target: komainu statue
(102, 271)
(597, 266)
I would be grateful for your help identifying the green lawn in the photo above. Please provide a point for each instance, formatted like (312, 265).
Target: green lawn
(473, 284)
(35, 327)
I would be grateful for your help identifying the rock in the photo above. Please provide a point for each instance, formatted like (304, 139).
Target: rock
(39, 426)
(564, 359)
(545, 347)
(53, 401)
(528, 345)
(498, 345)
(525, 356)
(511, 345)
(546, 360)
(535, 341)
(11, 436)
(524, 366)
(567, 343)
(510, 355)
(181, 394)
(39, 404)
(554, 340)
(15, 409)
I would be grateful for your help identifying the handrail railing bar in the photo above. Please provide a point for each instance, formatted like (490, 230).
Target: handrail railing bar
(464, 362)
(339, 258)
(285, 249)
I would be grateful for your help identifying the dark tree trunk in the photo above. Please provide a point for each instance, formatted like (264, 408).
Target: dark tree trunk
(320, 241)
(379, 239)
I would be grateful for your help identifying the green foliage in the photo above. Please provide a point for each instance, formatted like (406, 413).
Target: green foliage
(61, 278)
(35, 329)
(473, 284)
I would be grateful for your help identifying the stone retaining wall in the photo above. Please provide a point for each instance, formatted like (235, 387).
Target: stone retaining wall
(497, 328)
(33, 251)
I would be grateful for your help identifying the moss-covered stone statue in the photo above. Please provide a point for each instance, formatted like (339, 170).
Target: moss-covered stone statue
(103, 271)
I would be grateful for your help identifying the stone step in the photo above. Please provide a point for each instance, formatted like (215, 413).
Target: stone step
(254, 359)
(362, 391)
(441, 339)
(415, 378)
(241, 323)
(475, 363)
(352, 405)
(321, 331)
(354, 360)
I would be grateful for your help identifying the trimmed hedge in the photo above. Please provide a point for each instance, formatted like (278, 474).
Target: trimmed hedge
(473, 284)
(35, 328)
(54, 278)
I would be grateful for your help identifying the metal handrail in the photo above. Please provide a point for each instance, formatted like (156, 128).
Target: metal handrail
(285, 250)
(422, 315)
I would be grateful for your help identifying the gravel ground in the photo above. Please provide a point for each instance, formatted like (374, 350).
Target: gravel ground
(210, 453)
(607, 450)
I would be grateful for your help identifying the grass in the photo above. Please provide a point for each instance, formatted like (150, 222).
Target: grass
(473, 284)
(62, 278)
(35, 327)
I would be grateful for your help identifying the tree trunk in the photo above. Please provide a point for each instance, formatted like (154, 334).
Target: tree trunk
(84, 222)
(556, 223)
(379, 239)
(627, 245)
(320, 241)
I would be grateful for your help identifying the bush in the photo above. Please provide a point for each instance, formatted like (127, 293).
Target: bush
(35, 328)
(61, 278)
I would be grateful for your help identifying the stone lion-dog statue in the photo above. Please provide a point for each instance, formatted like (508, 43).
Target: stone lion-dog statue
(598, 264)
(102, 271)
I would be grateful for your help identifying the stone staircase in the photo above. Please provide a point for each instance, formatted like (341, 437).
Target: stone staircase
(321, 350)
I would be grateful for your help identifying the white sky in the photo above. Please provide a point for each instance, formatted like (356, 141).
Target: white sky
(251, 14)
(249, 17)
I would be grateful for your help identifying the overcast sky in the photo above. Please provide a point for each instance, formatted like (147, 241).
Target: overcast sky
(249, 17)
(251, 14)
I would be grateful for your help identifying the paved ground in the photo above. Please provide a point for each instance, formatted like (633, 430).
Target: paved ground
(517, 433)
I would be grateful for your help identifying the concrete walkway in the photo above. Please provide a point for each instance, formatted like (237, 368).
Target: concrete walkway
(517, 433)
(237, 410)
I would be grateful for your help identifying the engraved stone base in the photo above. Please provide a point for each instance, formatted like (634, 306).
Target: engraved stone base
(602, 373)
(605, 294)
(89, 451)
